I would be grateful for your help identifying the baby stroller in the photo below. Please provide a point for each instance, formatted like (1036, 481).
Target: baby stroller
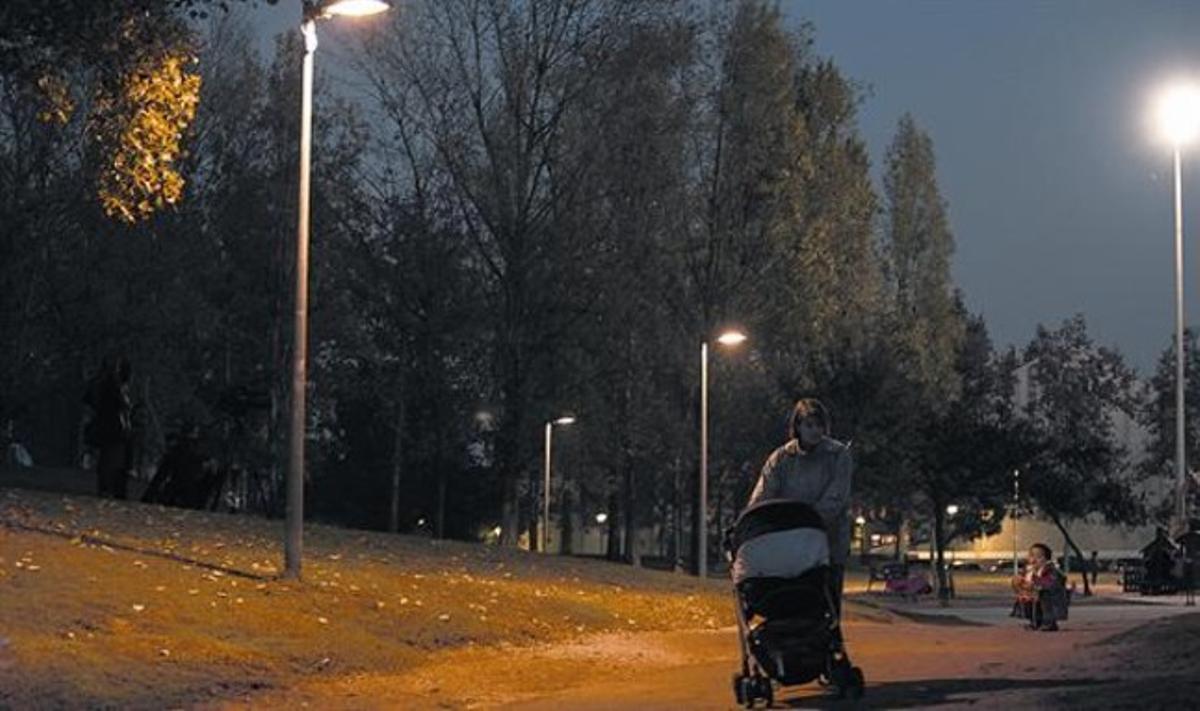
(788, 618)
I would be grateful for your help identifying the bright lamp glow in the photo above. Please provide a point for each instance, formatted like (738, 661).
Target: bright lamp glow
(565, 421)
(952, 509)
(354, 8)
(731, 338)
(861, 520)
(601, 517)
(1178, 113)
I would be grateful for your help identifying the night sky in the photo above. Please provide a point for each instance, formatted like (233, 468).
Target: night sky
(1060, 195)
(1059, 191)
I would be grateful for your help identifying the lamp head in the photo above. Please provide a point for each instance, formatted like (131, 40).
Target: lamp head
(1178, 113)
(346, 8)
(731, 338)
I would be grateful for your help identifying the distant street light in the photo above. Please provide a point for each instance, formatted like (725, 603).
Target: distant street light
(562, 421)
(728, 338)
(1178, 114)
(1016, 512)
(952, 509)
(313, 10)
(601, 517)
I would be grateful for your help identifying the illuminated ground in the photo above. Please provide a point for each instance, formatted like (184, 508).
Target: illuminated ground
(133, 625)
(130, 606)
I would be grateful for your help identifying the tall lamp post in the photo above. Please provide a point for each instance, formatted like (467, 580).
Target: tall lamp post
(1179, 121)
(562, 421)
(1016, 512)
(313, 10)
(728, 338)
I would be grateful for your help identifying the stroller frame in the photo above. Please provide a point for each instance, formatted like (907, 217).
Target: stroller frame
(755, 682)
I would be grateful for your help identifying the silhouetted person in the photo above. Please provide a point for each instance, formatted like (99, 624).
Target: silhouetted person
(1095, 565)
(110, 430)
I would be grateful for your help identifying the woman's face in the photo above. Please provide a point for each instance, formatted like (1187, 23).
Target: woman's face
(810, 431)
(1036, 557)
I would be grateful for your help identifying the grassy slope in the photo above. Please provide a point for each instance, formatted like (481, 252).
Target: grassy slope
(99, 606)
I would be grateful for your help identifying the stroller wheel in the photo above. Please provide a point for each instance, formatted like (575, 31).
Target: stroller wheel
(768, 694)
(857, 683)
(739, 688)
(841, 678)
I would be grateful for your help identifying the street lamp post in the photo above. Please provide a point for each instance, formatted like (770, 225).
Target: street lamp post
(1179, 119)
(1015, 512)
(729, 338)
(544, 533)
(861, 521)
(294, 525)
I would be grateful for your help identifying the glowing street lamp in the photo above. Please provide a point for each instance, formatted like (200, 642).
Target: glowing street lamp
(1178, 116)
(952, 510)
(294, 527)
(728, 338)
(560, 422)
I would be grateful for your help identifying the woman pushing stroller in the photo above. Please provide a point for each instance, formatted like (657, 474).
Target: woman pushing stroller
(814, 468)
(788, 552)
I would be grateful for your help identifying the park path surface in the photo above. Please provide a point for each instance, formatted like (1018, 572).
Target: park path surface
(942, 660)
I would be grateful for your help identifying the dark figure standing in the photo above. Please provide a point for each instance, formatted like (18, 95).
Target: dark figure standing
(110, 430)
(1095, 566)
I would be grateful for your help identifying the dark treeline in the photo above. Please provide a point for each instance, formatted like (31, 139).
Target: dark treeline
(530, 209)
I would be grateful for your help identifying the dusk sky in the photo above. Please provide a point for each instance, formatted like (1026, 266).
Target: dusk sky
(1059, 191)
(1059, 194)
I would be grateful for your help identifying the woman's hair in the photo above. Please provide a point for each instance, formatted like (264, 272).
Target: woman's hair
(807, 407)
(1045, 550)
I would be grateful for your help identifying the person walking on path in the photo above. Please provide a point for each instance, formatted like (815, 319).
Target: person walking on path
(814, 468)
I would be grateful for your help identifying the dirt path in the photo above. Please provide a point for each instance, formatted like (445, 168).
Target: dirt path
(908, 665)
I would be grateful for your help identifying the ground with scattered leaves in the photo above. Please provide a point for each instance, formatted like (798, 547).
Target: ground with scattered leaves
(125, 605)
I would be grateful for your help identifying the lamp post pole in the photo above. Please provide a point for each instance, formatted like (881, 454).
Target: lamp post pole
(1180, 453)
(728, 338)
(1016, 514)
(546, 489)
(544, 534)
(294, 517)
(293, 540)
(702, 503)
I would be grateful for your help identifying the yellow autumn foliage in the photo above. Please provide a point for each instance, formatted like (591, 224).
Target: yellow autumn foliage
(158, 101)
(56, 103)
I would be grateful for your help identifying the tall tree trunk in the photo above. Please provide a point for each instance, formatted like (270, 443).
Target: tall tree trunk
(939, 547)
(677, 519)
(441, 501)
(566, 545)
(1087, 588)
(632, 555)
(397, 465)
(510, 489)
(439, 459)
(613, 525)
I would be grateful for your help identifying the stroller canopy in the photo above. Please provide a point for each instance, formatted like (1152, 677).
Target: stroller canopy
(777, 538)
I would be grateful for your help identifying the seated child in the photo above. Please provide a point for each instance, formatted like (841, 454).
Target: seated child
(1041, 591)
